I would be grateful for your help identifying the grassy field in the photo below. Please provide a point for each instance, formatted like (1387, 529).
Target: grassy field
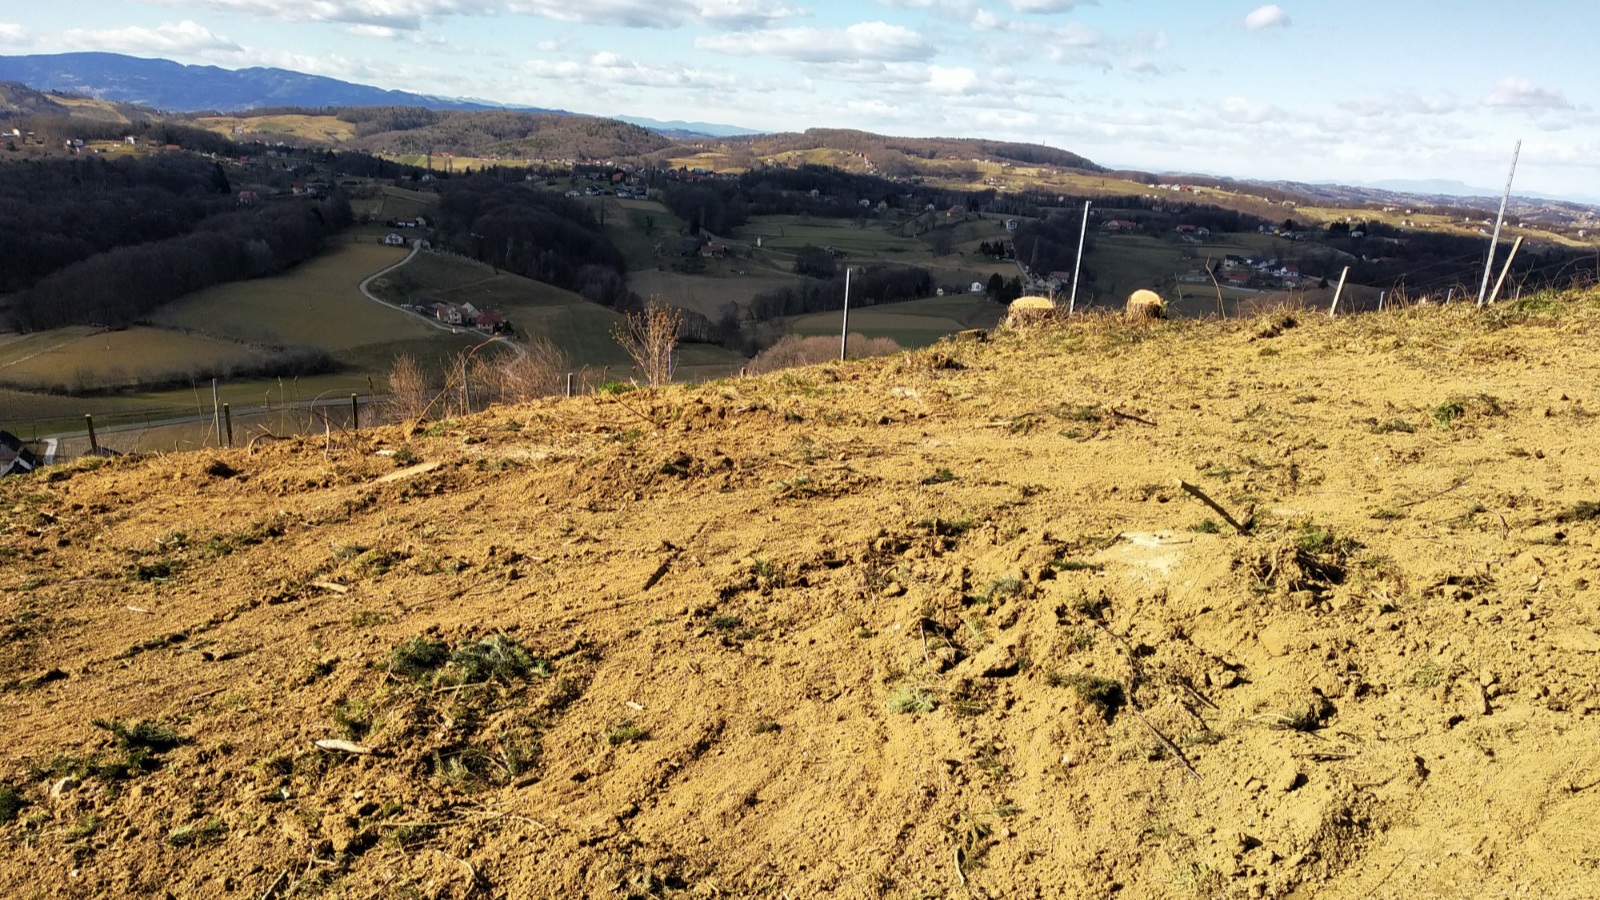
(636, 227)
(790, 233)
(315, 304)
(915, 323)
(396, 203)
(316, 128)
(74, 358)
(706, 294)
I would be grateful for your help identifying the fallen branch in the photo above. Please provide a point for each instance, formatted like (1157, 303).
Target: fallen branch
(272, 889)
(1130, 417)
(344, 746)
(1171, 747)
(1200, 495)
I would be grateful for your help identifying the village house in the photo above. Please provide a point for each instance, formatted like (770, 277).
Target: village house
(393, 239)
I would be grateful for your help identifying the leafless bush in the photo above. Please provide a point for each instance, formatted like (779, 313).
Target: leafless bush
(408, 389)
(651, 336)
(793, 350)
(519, 377)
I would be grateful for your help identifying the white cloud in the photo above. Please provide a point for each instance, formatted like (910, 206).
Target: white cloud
(861, 41)
(1041, 6)
(1414, 104)
(409, 15)
(186, 37)
(1520, 93)
(13, 34)
(1269, 16)
(607, 68)
(383, 32)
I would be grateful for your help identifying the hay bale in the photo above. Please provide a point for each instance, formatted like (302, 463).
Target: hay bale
(1145, 305)
(1028, 310)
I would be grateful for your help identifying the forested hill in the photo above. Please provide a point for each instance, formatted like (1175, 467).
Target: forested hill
(403, 130)
(892, 154)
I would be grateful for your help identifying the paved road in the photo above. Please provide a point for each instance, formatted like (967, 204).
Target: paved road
(415, 249)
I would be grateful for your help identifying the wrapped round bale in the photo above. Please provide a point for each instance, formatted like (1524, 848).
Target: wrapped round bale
(1145, 305)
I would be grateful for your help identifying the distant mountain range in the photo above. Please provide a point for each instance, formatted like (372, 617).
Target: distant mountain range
(173, 87)
(1440, 187)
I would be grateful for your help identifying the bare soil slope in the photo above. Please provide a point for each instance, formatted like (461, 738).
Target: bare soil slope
(943, 625)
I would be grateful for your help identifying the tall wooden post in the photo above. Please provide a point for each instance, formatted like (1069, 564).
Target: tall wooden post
(227, 423)
(94, 443)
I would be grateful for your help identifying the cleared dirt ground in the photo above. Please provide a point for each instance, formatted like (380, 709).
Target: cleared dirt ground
(942, 625)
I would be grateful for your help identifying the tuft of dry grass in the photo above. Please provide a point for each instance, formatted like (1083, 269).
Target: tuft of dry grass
(792, 351)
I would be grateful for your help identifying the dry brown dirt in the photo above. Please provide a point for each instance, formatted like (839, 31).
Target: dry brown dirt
(943, 625)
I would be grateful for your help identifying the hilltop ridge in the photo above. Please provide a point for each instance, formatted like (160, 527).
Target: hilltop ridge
(943, 624)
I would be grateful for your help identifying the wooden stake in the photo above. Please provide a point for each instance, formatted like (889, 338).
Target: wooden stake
(227, 422)
(94, 444)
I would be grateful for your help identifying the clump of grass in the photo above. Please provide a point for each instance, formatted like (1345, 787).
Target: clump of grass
(497, 658)
(1319, 540)
(418, 658)
(1206, 526)
(1002, 588)
(940, 476)
(626, 732)
(145, 735)
(908, 698)
(1104, 694)
(1075, 565)
(951, 528)
(1393, 426)
(765, 726)
(615, 387)
(404, 456)
(1428, 676)
(11, 803)
(158, 570)
(353, 718)
(84, 829)
(1387, 515)
(1447, 413)
(1584, 511)
(208, 832)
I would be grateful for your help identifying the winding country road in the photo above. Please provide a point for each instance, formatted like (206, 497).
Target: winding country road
(415, 249)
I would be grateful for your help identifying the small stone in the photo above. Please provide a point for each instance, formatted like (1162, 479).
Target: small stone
(1288, 778)
(1576, 639)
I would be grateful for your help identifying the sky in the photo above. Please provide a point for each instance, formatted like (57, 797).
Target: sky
(1353, 91)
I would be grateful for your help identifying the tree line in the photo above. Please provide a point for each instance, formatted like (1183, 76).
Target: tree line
(539, 234)
(58, 212)
(117, 286)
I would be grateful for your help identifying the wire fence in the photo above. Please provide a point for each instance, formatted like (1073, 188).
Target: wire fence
(172, 429)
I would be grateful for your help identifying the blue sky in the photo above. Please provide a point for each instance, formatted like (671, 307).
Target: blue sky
(1359, 90)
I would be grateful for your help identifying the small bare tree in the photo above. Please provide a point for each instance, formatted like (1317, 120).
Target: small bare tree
(536, 372)
(408, 389)
(651, 337)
